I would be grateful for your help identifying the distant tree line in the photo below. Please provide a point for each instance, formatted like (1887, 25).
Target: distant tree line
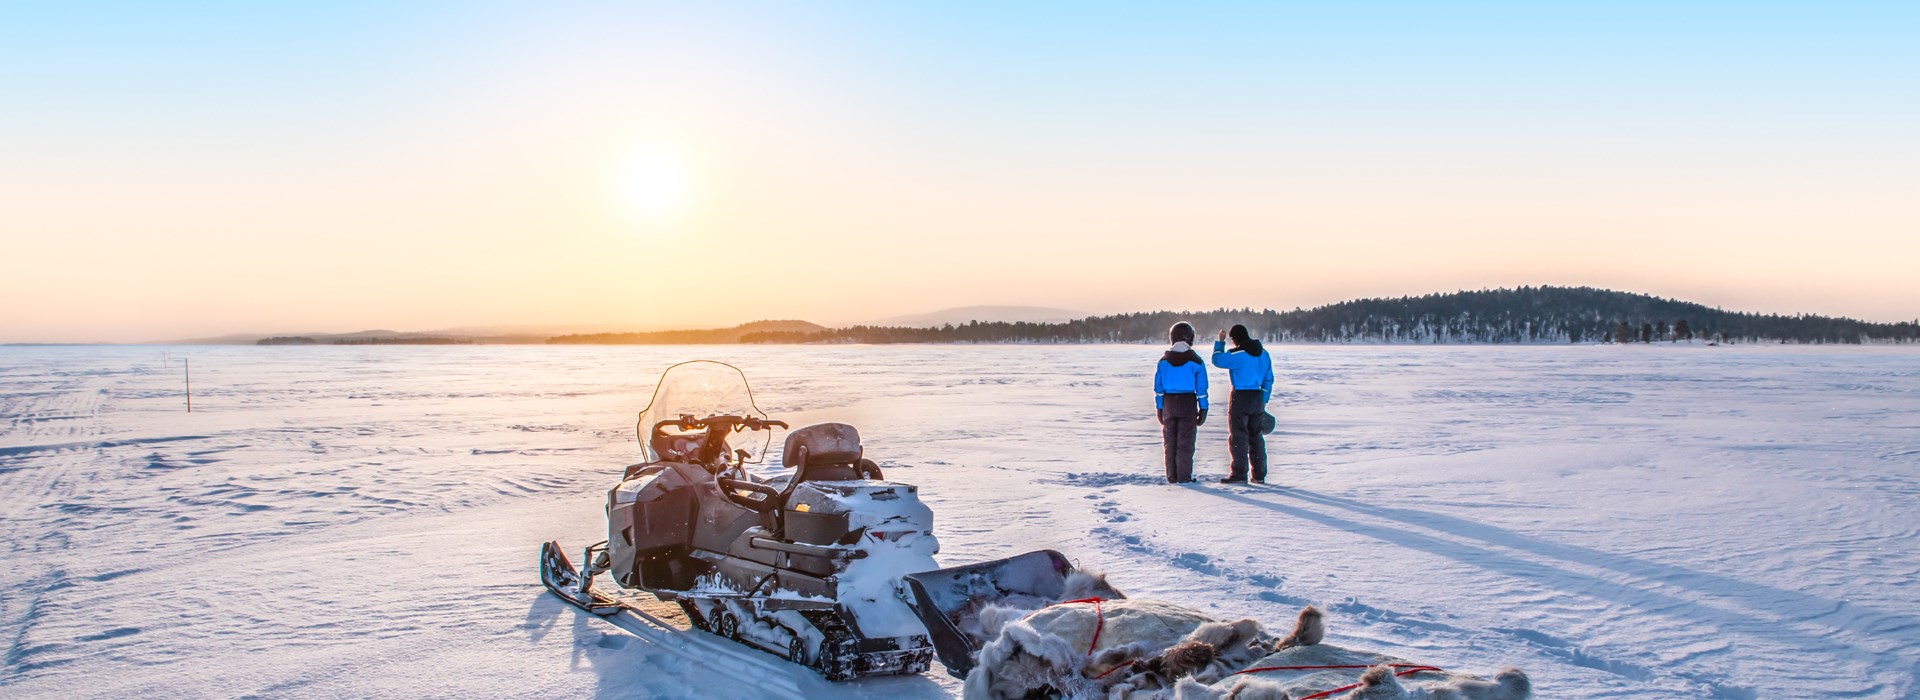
(709, 336)
(411, 340)
(397, 340)
(1522, 315)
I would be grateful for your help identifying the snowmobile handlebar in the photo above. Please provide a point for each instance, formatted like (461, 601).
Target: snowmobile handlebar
(709, 435)
(730, 423)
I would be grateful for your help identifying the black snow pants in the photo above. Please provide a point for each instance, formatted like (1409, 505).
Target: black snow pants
(1244, 436)
(1179, 421)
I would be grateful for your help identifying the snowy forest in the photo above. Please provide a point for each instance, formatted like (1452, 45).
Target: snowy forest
(1522, 315)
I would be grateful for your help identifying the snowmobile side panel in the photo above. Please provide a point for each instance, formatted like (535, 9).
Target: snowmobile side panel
(648, 518)
(719, 522)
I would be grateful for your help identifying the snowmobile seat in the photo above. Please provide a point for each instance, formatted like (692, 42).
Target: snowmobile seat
(826, 452)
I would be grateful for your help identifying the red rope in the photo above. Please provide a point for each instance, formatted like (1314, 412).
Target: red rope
(1099, 625)
(1099, 620)
(1410, 670)
(1419, 667)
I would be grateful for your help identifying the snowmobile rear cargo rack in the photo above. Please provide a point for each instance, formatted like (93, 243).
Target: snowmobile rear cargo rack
(810, 550)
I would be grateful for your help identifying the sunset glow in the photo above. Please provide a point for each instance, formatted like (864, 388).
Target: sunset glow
(654, 185)
(322, 167)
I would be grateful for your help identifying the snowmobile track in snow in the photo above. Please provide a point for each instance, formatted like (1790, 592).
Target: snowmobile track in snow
(777, 677)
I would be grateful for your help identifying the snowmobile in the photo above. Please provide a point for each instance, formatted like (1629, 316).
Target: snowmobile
(811, 565)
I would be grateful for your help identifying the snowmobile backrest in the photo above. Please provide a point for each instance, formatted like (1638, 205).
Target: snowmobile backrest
(824, 452)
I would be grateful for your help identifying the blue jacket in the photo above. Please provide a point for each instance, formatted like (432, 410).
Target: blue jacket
(1188, 377)
(1247, 370)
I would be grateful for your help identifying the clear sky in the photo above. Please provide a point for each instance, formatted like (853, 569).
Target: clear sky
(177, 169)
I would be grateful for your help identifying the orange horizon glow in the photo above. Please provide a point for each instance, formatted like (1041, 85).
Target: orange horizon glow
(671, 167)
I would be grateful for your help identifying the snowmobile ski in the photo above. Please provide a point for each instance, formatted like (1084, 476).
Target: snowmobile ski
(566, 582)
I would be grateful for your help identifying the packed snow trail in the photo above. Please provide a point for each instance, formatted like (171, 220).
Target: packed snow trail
(1634, 522)
(770, 675)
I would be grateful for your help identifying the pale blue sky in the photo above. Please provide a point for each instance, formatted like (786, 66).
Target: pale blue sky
(155, 156)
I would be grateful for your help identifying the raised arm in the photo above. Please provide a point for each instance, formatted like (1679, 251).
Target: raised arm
(1222, 358)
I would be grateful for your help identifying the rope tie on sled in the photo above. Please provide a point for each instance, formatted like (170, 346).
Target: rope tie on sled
(1099, 620)
(1407, 670)
(1116, 667)
(1099, 625)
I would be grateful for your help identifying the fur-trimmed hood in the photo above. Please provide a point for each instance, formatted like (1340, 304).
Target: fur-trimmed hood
(1180, 357)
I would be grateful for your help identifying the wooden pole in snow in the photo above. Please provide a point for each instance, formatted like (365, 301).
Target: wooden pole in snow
(187, 366)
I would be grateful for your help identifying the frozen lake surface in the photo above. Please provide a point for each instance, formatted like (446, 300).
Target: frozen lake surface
(1621, 522)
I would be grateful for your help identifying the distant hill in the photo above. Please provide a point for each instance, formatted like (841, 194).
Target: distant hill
(1522, 315)
(689, 337)
(984, 314)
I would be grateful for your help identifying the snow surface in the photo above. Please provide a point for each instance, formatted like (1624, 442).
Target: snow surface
(1621, 522)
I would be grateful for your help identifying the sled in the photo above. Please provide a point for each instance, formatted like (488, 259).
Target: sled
(942, 596)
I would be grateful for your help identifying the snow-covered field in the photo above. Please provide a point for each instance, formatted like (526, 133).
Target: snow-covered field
(1621, 522)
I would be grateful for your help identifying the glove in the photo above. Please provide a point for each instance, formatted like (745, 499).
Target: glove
(1162, 415)
(1203, 418)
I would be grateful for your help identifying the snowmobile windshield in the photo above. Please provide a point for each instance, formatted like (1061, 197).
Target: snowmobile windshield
(676, 425)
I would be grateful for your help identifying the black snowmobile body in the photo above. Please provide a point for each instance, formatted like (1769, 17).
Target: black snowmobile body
(736, 553)
(813, 565)
(670, 524)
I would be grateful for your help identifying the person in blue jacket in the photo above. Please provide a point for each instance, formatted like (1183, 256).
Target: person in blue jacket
(1251, 369)
(1180, 395)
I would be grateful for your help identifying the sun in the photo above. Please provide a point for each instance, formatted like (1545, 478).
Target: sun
(653, 184)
